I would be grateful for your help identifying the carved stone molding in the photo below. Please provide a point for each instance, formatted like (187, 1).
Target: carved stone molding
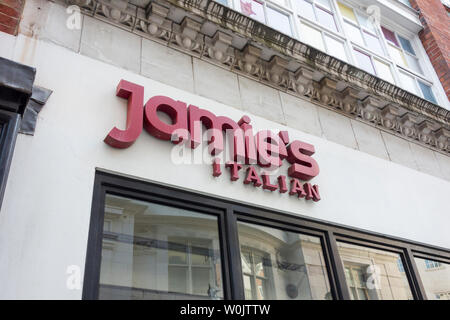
(319, 78)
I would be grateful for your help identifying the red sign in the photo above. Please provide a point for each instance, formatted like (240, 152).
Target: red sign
(263, 148)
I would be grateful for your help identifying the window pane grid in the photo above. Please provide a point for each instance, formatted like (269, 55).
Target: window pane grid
(321, 17)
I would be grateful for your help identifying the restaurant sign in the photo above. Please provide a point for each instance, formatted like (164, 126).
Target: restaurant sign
(263, 150)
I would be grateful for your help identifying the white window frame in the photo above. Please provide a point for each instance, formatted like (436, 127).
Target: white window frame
(286, 10)
(429, 76)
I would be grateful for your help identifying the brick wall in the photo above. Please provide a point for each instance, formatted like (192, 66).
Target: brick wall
(436, 37)
(10, 14)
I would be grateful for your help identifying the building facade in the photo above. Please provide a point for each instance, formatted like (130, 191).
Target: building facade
(238, 149)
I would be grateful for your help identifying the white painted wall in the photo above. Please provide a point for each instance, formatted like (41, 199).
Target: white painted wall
(45, 214)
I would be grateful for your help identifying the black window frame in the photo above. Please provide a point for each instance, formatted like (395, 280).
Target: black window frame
(9, 128)
(228, 213)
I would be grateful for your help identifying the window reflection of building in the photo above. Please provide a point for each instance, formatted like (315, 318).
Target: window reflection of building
(281, 265)
(152, 251)
(256, 269)
(356, 278)
(374, 274)
(435, 278)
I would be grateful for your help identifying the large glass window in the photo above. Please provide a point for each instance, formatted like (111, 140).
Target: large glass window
(373, 274)
(282, 265)
(435, 278)
(152, 251)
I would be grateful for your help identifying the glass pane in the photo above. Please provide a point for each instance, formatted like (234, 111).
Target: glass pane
(365, 22)
(248, 288)
(408, 83)
(364, 61)
(312, 36)
(406, 2)
(383, 71)
(224, 2)
(427, 92)
(306, 10)
(336, 48)
(280, 2)
(435, 277)
(200, 281)
(397, 55)
(326, 19)
(376, 271)
(155, 251)
(285, 265)
(347, 12)
(390, 36)
(253, 9)
(177, 251)
(279, 21)
(324, 3)
(353, 33)
(373, 43)
(406, 45)
(178, 278)
(200, 251)
(413, 63)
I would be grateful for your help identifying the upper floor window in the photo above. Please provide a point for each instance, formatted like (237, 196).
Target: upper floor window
(406, 2)
(360, 30)
(349, 34)
(435, 277)
(271, 13)
(400, 265)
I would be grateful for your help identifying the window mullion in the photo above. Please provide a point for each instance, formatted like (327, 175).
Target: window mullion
(347, 43)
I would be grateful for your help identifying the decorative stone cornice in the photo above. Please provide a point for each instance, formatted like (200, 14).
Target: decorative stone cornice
(319, 77)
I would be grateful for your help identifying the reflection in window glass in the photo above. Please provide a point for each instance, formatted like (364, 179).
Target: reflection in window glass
(365, 22)
(224, 2)
(435, 277)
(306, 10)
(353, 33)
(281, 265)
(373, 274)
(427, 92)
(347, 12)
(373, 43)
(326, 19)
(397, 55)
(153, 251)
(406, 45)
(253, 9)
(383, 71)
(364, 61)
(324, 3)
(279, 21)
(335, 48)
(390, 36)
(408, 83)
(413, 63)
(312, 36)
(280, 2)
